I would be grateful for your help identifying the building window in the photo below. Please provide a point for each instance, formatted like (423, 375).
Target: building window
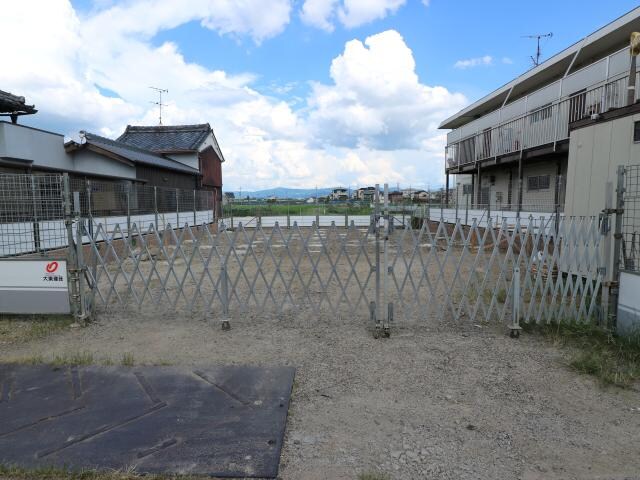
(467, 189)
(538, 182)
(636, 132)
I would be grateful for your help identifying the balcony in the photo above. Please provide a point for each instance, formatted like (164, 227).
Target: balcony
(546, 125)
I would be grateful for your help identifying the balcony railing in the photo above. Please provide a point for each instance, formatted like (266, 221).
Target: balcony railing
(546, 125)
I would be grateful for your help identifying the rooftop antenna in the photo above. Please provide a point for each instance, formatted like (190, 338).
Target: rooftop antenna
(536, 59)
(159, 102)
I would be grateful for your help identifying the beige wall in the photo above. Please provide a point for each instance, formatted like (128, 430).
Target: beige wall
(535, 200)
(539, 199)
(595, 152)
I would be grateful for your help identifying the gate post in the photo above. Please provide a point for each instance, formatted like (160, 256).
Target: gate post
(36, 223)
(178, 210)
(386, 320)
(89, 207)
(346, 214)
(515, 305)
(224, 283)
(466, 212)
(128, 212)
(617, 248)
(80, 259)
(155, 206)
(72, 259)
(194, 208)
(376, 228)
(457, 204)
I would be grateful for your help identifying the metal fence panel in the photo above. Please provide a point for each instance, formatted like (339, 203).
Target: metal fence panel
(31, 213)
(437, 272)
(630, 249)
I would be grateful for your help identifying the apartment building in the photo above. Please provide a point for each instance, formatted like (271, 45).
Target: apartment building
(511, 148)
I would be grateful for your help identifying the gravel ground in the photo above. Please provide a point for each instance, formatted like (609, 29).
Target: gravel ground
(429, 402)
(436, 400)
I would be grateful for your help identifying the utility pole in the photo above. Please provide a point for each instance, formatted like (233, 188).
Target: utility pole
(536, 59)
(159, 102)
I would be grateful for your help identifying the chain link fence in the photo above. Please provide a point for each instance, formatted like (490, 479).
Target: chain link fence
(31, 213)
(32, 210)
(630, 248)
(540, 197)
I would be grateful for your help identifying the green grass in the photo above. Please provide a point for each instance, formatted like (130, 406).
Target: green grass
(501, 296)
(50, 473)
(86, 358)
(79, 358)
(373, 476)
(128, 360)
(266, 210)
(612, 359)
(24, 328)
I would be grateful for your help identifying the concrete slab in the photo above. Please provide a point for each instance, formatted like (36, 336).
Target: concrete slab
(218, 421)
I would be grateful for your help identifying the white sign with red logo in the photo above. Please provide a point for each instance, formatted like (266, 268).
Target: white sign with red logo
(33, 286)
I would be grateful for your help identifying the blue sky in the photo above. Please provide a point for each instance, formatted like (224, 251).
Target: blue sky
(439, 34)
(296, 98)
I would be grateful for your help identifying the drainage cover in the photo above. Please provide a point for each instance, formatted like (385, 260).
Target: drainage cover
(219, 421)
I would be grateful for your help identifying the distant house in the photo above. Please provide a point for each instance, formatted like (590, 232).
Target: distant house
(396, 197)
(420, 196)
(366, 194)
(408, 193)
(339, 194)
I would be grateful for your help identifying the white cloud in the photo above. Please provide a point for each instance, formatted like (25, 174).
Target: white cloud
(259, 19)
(507, 61)
(319, 13)
(484, 61)
(351, 13)
(375, 122)
(377, 100)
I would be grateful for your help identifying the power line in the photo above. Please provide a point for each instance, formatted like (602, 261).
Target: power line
(536, 59)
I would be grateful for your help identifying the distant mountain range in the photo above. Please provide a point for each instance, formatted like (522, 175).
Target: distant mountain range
(282, 192)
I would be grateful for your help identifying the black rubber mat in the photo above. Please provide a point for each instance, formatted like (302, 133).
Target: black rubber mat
(217, 421)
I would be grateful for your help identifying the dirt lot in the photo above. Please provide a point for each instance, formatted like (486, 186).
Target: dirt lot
(439, 402)
(436, 400)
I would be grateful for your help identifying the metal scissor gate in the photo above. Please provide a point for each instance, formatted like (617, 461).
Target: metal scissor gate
(538, 270)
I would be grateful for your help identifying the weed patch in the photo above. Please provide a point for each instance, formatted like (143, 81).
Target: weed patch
(613, 359)
(24, 328)
(373, 476)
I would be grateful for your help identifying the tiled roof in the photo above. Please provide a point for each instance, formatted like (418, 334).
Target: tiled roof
(135, 154)
(12, 103)
(165, 139)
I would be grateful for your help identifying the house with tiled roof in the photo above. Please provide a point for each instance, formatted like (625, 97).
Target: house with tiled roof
(195, 146)
(148, 168)
(186, 157)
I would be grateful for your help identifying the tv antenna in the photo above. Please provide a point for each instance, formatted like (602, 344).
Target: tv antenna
(536, 59)
(159, 102)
